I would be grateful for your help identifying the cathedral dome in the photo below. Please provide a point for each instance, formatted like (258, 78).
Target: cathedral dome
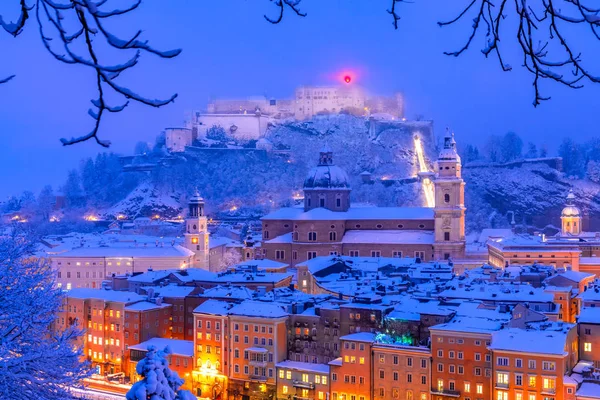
(326, 175)
(570, 209)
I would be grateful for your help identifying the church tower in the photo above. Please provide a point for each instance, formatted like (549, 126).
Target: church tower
(449, 210)
(196, 232)
(571, 217)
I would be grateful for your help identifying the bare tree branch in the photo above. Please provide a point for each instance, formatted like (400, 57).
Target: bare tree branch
(281, 4)
(85, 25)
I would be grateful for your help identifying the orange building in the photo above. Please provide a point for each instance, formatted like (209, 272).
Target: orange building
(101, 314)
(302, 380)
(530, 364)
(211, 348)
(258, 341)
(351, 374)
(401, 372)
(462, 363)
(588, 326)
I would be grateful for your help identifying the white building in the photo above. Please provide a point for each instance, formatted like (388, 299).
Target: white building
(177, 138)
(239, 126)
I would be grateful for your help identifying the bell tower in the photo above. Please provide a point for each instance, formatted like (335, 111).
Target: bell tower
(196, 232)
(571, 217)
(449, 210)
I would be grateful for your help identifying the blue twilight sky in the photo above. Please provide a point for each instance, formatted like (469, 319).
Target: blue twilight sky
(230, 50)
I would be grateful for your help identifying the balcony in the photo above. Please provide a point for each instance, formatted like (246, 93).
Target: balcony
(501, 385)
(445, 392)
(258, 363)
(257, 378)
(304, 385)
(551, 391)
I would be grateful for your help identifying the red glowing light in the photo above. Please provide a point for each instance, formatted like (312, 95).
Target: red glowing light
(347, 79)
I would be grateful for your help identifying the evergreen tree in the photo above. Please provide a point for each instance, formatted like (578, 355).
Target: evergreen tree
(531, 151)
(38, 362)
(159, 381)
(511, 147)
(46, 201)
(72, 190)
(492, 148)
(573, 158)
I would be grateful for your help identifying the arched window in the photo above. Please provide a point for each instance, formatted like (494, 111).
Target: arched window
(194, 227)
(446, 198)
(332, 236)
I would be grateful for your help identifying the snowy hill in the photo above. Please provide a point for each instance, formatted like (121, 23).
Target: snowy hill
(251, 182)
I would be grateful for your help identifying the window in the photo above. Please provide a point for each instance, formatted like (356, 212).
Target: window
(548, 366)
(446, 198)
(519, 363)
(502, 361)
(587, 347)
(280, 254)
(531, 381)
(531, 364)
(332, 236)
(479, 388)
(353, 253)
(397, 254)
(423, 363)
(447, 236)
(311, 254)
(381, 358)
(395, 375)
(467, 387)
(502, 379)
(312, 236)
(518, 380)
(381, 374)
(375, 253)
(502, 395)
(423, 379)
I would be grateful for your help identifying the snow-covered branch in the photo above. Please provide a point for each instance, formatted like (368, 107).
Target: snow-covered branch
(540, 33)
(69, 30)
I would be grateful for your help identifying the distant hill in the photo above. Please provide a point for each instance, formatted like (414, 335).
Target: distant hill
(251, 182)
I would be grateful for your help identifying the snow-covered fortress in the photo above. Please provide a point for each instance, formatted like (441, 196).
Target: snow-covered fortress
(328, 223)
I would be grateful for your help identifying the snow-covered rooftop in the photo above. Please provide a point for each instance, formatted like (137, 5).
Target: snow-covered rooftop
(304, 366)
(589, 315)
(213, 307)
(360, 337)
(146, 306)
(170, 290)
(106, 295)
(532, 341)
(258, 309)
(176, 346)
(131, 251)
(354, 213)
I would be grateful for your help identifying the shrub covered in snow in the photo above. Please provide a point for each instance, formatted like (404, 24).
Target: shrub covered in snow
(159, 382)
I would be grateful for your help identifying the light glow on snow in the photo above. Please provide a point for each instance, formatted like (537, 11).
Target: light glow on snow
(428, 189)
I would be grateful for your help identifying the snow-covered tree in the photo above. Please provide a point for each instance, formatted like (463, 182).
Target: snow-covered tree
(493, 148)
(37, 361)
(72, 189)
(231, 257)
(573, 157)
(158, 382)
(141, 148)
(216, 133)
(512, 147)
(593, 171)
(45, 202)
(532, 151)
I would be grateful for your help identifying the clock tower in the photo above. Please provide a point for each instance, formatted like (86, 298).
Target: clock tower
(449, 210)
(196, 232)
